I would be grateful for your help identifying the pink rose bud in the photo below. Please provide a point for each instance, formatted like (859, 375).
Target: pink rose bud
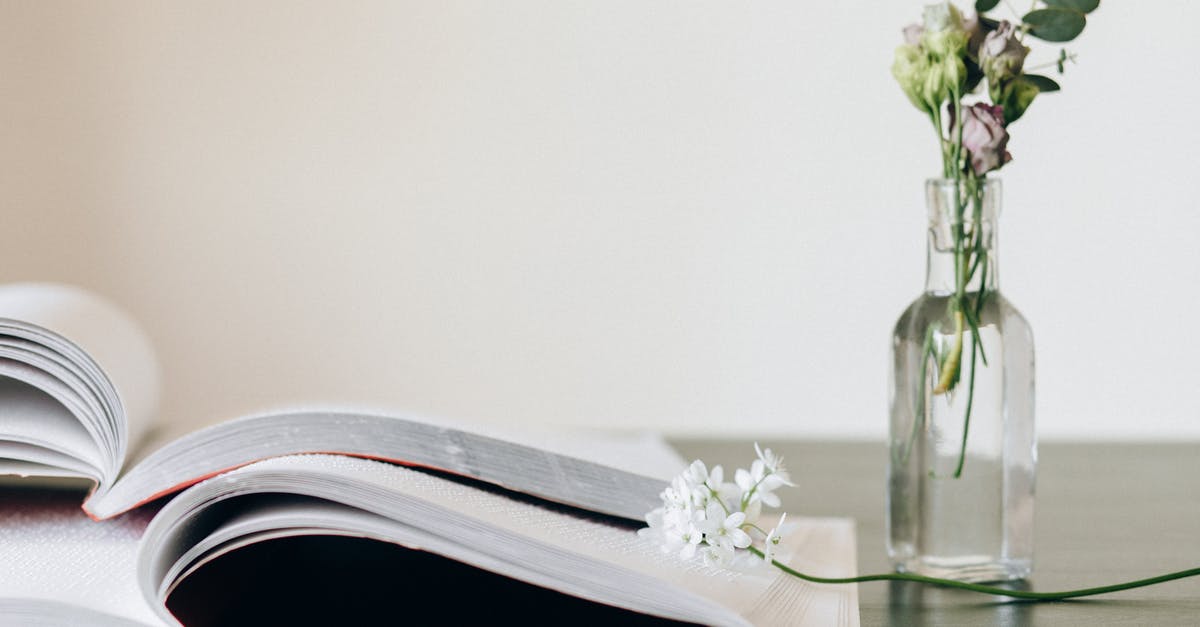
(984, 137)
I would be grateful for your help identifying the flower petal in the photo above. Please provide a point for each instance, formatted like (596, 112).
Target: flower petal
(742, 478)
(739, 538)
(716, 476)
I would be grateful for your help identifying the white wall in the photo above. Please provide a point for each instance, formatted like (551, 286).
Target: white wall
(697, 216)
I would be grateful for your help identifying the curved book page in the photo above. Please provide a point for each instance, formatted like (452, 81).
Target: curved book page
(590, 557)
(408, 441)
(78, 378)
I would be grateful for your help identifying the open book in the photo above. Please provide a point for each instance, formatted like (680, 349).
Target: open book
(78, 390)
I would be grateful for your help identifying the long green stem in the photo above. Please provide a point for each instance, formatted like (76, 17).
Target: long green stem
(966, 263)
(962, 452)
(963, 273)
(985, 589)
(981, 254)
(973, 323)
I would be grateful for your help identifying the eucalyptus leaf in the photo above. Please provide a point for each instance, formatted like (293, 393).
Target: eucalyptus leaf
(988, 5)
(1043, 83)
(1083, 6)
(1055, 24)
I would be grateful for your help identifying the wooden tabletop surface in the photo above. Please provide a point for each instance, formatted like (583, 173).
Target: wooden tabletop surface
(1106, 513)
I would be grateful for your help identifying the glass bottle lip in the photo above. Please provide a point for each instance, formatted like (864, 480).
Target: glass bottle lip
(989, 183)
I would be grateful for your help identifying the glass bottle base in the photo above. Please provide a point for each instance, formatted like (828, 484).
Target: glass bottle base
(972, 569)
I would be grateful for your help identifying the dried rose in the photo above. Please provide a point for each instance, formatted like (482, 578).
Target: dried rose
(975, 32)
(1001, 56)
(984, 137)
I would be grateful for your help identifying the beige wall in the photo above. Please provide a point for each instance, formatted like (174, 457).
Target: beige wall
(699, 216)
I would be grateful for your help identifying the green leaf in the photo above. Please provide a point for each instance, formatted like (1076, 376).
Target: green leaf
(1083, 6)
(1055, 24)
(1043, 83)
(988, 5)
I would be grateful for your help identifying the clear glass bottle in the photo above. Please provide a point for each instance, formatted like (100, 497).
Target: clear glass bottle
(962, 461)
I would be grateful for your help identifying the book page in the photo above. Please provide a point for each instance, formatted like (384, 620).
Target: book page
(107, 335)
(410, 440)
(566, 550)
(644, 453)
(30, 417)
(52, 555)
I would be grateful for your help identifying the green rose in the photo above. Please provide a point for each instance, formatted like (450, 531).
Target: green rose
(943, 80)
(951, 42)
(909, 69)
(930, 67)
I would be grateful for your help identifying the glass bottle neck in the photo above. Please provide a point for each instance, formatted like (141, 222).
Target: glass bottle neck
(962, 235)
(946, 267)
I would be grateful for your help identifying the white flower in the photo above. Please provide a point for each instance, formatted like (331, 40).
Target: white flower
(682, 540)
(673, 531)
(723, 529)
(772, 541)
(678, 495)
(773, 463)
(717, 556)
(696, 473)
(766, 475)
(715, 479)
(701, 513)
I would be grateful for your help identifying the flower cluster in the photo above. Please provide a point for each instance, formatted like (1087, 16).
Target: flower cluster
(930, 65)
(939, 66)
(946, 56)
(702, 513)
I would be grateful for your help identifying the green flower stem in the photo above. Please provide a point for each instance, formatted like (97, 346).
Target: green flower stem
(981, 256)
(1028, 595)
(962, 452)
(973, 323)
(963, 271)
(982, 292)
(720, 501)
(968, 259)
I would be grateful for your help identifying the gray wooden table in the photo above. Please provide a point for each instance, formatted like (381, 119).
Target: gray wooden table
(1105, 513)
